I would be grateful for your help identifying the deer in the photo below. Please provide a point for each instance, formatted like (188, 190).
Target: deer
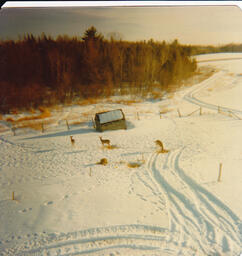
(161, 147)
(72, 141)
(104, 141)
(159, 144)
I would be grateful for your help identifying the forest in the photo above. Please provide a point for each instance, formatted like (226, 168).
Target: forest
(42, 71)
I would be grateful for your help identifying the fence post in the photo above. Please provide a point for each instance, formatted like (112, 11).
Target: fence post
(68, 128)
(179, 113)
(138, 115)
(90, 172)
(13, 196)
(42, 127)
(220, 172)
(13, 130)
(200, 111)
(218, 109)
(93, 124)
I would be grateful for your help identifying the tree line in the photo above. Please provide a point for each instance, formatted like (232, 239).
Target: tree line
(40, 70)
(205, 49)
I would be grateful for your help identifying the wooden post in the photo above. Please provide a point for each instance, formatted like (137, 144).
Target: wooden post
(138, 115)
(218, 109)
(160, 115)
(90, 172)
(13, 196)
(93, 124)
(179, 113)
(68, 128)
(13, 130)
(42, 127)
(200, 111)
(220, 172)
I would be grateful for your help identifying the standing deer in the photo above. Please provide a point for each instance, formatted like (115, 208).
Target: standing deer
(72, 141)
(161, 147)
(159, 144)
(104, 141)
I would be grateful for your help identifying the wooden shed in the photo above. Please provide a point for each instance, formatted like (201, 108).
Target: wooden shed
(110, 120)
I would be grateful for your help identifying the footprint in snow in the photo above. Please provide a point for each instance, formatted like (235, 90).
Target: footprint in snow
(25, 210)
(49, 203)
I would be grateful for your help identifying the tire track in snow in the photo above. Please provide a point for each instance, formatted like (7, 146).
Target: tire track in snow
(184, 218)
(190, 96)
(201, 220)
(91, 241)
(214, 210)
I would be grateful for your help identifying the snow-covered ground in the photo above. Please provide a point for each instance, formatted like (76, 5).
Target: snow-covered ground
(66, 204)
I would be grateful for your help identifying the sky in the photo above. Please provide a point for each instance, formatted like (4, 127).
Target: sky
(203, 25)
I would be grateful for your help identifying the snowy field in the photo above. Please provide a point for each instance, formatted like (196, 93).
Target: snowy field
(173, 204)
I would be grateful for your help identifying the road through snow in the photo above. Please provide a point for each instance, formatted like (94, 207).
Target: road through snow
(192, 95)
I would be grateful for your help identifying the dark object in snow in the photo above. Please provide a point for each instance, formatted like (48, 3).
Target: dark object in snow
(160, 147)
(104, 141)
(72, 141)
(103, 161)
(110, 120)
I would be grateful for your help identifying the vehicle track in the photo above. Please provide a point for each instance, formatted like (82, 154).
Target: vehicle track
(202, 221)
(96, 240)
(191, 96)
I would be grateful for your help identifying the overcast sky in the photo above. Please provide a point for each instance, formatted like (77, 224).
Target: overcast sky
(190, 25)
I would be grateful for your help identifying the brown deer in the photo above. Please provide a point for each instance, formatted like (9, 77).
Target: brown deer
(160, 147)
(104, 141)
(159, 144)
(72, 141)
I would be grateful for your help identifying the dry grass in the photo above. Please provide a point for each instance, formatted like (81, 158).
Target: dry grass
(32, 111)
(44, 114)
(156, 95)
(14, 111)
(136, 164)
(10, 119)
(165, 110)
(170, 96)
(88, 113)
(110, 147)
(76, 122)
(124, 101)
(203, 74)
(35, 122)
(33, 125)
(88, 101)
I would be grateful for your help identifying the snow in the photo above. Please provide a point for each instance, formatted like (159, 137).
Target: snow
(110, 116)
(66, 204)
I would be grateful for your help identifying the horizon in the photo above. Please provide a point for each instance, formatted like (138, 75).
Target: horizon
(190, 25)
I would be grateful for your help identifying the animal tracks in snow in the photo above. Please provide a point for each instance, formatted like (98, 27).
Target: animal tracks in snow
(49, 203)
(25, 210)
